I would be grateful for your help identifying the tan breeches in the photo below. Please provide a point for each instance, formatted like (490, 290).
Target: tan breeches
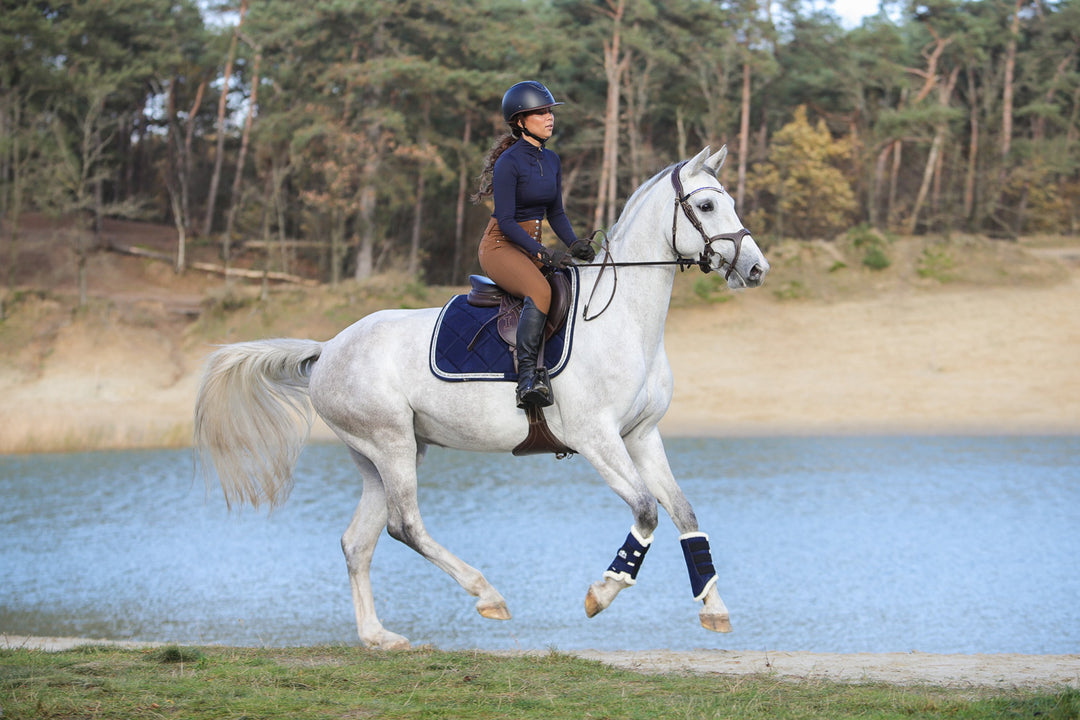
(514, 271)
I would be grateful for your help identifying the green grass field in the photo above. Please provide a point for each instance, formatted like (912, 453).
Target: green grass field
(349, 683)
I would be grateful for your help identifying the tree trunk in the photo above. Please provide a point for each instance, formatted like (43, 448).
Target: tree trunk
(637, 103)
(680, 131)
(277, 178)
(81, 252)
(245, 139)
(878, 188)
(417, 226)
(365, 251)
(894, 183)
(928, 171)
(936, 146)
(744, 136)
(337, 244)
(973, 148)
(185, 172)
(181, 235)
(1008, 83)
(614, 66)
(14, 206)
(462, 192)
(215, 178)
(173, 174)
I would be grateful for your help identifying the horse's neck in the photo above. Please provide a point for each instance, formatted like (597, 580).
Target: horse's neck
(642, 294)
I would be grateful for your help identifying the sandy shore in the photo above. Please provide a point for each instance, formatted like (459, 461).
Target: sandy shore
(962, 361)
(952, 361)
(1004, 671)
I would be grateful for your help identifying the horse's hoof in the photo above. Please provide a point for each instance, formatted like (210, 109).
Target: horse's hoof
(716, 623)
(592, 604)
(494, 611)
(388, 641)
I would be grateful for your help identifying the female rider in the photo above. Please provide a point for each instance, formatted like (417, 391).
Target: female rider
(526, 181)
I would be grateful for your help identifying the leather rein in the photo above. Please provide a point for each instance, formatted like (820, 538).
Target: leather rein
(704, 261)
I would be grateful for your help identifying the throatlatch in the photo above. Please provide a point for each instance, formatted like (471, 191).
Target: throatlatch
(627, 561)
(695, 547)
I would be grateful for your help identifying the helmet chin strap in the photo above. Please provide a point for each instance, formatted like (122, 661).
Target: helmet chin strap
(534, 136)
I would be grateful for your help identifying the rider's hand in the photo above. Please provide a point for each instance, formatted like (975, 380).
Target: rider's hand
(558, 259)
(583, 250)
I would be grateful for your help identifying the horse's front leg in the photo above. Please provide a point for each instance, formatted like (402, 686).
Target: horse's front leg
(614, 464)
(647, 451)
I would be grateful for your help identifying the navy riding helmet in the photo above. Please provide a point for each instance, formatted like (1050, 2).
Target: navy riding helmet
(524, 96)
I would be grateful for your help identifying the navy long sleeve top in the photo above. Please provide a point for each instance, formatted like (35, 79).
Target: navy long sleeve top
(527, 185)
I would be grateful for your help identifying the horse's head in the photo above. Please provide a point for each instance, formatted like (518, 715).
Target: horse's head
(706, 227)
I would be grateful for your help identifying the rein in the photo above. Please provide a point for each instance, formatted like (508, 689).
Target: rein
(682, 200)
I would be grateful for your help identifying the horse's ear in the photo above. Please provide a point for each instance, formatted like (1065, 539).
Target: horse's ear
(697, 162)
(714, 163)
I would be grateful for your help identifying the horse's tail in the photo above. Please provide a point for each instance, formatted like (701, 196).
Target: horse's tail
(253, 416)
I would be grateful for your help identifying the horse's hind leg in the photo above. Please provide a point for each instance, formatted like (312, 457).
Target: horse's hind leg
(397, 467)
(648, 454)
(358, 544)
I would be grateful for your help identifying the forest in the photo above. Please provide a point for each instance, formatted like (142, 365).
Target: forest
(336, 139)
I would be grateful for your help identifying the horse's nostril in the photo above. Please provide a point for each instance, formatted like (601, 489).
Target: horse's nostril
(755, 273)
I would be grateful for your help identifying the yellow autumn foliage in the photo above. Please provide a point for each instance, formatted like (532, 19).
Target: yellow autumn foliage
(810, 195)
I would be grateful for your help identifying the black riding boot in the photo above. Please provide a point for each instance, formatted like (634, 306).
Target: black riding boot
(532, 388)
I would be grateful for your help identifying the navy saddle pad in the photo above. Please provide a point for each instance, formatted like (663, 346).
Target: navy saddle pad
(490, 357)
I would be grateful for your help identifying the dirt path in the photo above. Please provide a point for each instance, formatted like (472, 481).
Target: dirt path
(991, 671)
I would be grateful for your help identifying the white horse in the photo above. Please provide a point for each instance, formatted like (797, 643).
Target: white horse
(373, 386)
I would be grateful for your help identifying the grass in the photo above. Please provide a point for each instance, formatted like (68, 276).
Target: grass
(873, 244)
(936, 263)
(351, 683)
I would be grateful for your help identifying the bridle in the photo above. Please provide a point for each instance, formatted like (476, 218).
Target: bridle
(704, 261)
(707, 253)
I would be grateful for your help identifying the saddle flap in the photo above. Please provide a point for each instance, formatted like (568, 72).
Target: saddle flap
(509, 315)
(561, 298)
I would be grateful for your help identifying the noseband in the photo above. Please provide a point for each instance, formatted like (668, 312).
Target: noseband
(683, 200)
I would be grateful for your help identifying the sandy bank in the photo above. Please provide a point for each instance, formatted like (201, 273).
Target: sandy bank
(962, 361)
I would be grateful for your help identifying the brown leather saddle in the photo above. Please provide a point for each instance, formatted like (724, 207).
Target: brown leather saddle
(485, 293)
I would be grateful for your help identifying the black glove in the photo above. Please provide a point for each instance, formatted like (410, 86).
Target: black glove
(558, 259)
(583, 250)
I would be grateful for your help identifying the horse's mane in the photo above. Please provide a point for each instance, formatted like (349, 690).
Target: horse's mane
(632, 203)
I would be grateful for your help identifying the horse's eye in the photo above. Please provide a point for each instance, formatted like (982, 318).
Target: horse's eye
(706, 206)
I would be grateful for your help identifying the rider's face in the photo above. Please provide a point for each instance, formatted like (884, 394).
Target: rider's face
(540, 123)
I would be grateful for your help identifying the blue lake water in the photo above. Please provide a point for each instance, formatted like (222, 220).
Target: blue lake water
(968, 545)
